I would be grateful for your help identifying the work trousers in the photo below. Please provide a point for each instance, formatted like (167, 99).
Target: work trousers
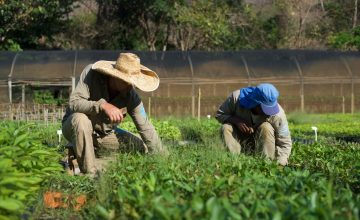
(87, 144)
(262, 141)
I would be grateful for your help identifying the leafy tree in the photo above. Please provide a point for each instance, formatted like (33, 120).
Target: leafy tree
(344, 33)
(201, 24)
(260, 28)
(346, 40)
(81, 30)
(31, 24)
(129, 24)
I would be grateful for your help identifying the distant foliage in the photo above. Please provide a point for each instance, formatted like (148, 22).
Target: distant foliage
(46, 97)
(32, 24)
(346, 40)
(179, 24)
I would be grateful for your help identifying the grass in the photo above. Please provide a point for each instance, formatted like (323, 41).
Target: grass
(304, 118)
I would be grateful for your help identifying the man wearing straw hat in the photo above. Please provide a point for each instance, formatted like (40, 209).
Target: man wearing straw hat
(253, 121)
(102, 97)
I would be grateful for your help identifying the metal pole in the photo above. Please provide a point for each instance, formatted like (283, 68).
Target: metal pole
(10, 76)
(192, 87)
(75, 63)
(247, 70)
(74, 72)
(302, 102)
(352, 83)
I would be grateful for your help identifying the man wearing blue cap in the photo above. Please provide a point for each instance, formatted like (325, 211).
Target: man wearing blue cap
(253, 121)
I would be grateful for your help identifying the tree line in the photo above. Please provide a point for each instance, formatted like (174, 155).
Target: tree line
(209, 25)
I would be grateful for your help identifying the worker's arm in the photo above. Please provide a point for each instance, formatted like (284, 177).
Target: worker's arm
(145, 128)
(226, 109)
(226, 114)
(79, 98)
(282, 138)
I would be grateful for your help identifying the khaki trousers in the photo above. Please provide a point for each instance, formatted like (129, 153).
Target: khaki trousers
(87, 144)
(262, 141)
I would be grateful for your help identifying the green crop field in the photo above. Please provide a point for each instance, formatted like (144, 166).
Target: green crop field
(198, 180)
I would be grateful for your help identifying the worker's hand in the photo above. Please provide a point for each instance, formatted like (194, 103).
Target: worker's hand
(115, 114)
(241, 124)
(243, 128)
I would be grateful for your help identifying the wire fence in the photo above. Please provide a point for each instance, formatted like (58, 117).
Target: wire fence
(192, 83)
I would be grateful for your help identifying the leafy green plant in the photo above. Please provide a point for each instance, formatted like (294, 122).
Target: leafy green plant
(25, 162)
(166, 130)
(202, 181)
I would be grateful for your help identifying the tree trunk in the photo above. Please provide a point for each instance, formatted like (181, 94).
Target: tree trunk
(322, 5)
(355, 14)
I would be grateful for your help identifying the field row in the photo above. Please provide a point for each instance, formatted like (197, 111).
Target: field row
(198, 180)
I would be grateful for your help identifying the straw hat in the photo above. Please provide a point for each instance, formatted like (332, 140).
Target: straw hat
(128, 68)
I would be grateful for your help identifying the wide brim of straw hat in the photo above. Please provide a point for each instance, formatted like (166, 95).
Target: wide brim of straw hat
(145, 80)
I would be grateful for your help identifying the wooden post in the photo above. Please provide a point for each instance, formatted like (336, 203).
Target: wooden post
(59, 114)
(23, 102)
(302, 101)
(10, 90)
(342, 99)
(199, 104)
(352, 97)
(46, 115)
(23, 94)
(53, 114)
(18, 113)
(72, 83)
(10, 112)
(38, 112)
(193, 104)
(169, 110)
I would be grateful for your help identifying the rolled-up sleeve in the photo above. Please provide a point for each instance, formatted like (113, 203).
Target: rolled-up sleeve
(283, 139)
(226, 110)
(79, 98)
(144, 126)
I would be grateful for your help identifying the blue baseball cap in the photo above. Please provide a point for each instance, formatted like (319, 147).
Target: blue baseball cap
(266, 95)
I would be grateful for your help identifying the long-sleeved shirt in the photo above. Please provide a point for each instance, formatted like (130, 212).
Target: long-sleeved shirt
(231, 107)
(92, 90)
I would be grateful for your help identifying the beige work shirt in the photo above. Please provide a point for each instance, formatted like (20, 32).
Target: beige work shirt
(231, 107)
(92, 90)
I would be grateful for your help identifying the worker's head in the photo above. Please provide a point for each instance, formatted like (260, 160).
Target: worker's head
(127, 68)
(119, 85)
(261, 99)
(257, 110)
(266, 95)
